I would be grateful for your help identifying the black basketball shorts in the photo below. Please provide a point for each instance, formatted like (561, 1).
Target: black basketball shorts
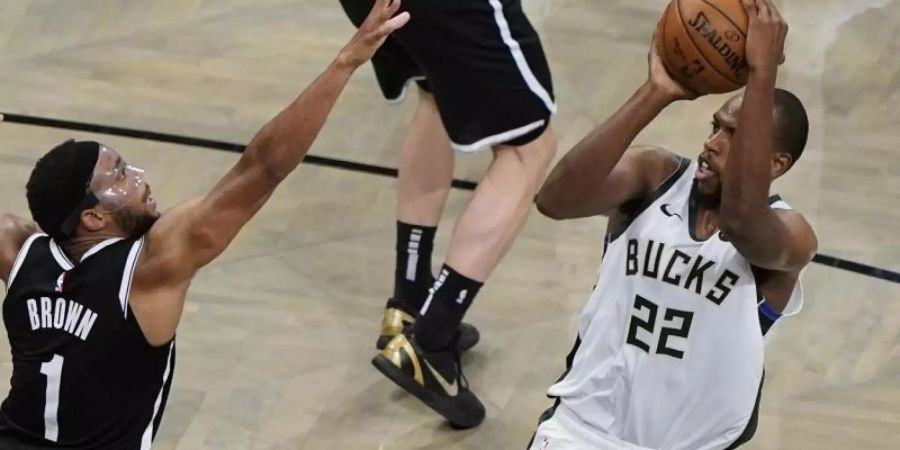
(481, 59)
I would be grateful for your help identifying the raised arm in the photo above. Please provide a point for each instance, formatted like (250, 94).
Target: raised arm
(598, 175)
(279, 147)
(771, 239)
(14, 230)
(191, 235)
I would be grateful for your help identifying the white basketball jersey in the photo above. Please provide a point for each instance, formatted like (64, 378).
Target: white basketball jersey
(671, 344)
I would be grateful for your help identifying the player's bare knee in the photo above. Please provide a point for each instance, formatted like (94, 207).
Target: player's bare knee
(534, 157)
(426, 97)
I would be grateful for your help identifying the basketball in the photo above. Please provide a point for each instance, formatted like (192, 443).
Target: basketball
(702, 44)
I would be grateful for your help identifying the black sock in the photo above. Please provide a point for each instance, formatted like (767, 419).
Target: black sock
(447, 303)
(412, 272)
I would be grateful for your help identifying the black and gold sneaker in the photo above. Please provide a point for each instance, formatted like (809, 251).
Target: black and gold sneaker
(435, 378)
(393, 323)
(397, 320)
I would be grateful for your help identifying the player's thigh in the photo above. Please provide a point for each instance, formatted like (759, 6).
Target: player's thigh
(486, 67)
(8, 441)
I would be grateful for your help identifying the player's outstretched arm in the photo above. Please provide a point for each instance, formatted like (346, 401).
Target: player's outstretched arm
(772, 239)
(14, 230)
(598, 174)
(191, 235)
(279, 146)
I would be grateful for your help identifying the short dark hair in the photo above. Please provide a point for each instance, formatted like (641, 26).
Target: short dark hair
(58, 184)
(791, 125)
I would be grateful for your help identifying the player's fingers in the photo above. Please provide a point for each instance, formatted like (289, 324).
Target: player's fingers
(750, 7)
(764, 10)
(379, 6)
(779, 19)
(391, 9)
(660, 24)
(395, 23)
(776, 14)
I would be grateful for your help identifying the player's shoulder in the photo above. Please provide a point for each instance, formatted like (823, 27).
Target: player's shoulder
(652, 154)
(787, 212)
(159, 251)
(655, 164)
(176, 217)
(800, 227)
(803, 237)
(14, 231)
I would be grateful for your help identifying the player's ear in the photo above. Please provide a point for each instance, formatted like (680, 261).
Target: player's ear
(781, 162)
(92, 220)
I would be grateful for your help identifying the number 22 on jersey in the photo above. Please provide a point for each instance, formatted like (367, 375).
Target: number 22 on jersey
(675, 323)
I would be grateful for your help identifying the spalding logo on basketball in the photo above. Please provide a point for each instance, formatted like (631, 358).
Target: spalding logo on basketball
(702, 44)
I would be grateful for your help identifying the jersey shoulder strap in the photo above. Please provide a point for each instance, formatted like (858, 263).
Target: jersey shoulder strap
(634, 208)
(22, 256)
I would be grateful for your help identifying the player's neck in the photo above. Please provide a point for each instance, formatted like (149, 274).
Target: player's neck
(706, 221)
(78, 246)
(705, 212)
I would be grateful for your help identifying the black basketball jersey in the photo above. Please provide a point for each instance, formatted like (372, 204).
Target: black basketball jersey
(83, 374)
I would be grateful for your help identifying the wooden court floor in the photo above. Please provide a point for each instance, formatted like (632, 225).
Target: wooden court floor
(275, 343)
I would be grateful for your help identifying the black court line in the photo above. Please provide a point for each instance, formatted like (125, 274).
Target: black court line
(826, 260)
(856, 267)
(204, 143)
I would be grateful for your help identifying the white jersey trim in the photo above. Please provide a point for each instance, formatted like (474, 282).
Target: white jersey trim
(128, 275)
(658, 192)
(519, 57)
(497, 139)
(405, 90)
(60, 256)
(564, 430)
(96, 249)
(147, 438)
(20, 258)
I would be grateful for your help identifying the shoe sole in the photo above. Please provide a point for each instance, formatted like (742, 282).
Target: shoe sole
(439, 404)
(383, 341)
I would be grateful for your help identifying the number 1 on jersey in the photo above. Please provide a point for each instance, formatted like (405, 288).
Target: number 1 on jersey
(53, 371)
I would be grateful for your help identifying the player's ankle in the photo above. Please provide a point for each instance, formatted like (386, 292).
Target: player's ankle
(443, 311)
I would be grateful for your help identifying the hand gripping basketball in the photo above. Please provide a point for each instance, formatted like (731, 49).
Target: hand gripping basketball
(661, 79)
(765, 36)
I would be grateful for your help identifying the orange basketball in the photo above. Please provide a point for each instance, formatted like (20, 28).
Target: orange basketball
(702, 44)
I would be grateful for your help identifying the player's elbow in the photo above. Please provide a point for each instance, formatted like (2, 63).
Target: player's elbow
(263, 153)
(733, 226)
(261, 162)
(742, 230)
(276, 171)
(206, 244)
(737, 218)
(547, 207)
(13, 225)
(7, 221)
